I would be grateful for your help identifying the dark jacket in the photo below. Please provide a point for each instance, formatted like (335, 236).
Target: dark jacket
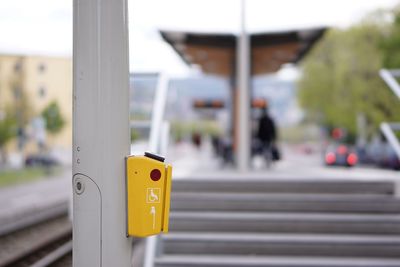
(266, 129)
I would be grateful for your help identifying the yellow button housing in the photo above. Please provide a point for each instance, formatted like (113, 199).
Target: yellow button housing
(148, 195)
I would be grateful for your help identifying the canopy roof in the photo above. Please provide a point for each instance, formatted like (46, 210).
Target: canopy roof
(216, 53)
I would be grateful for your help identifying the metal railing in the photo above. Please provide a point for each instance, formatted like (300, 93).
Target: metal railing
(158, 143)
(388, 129)
(389, 76)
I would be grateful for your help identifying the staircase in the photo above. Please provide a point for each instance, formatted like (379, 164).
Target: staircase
(288, 223)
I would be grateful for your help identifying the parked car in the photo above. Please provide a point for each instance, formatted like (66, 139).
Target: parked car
(381, 154)
(39, 160)
(340, 155)
(378, 152)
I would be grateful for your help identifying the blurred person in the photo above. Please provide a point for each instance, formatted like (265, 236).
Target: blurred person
(227, 151)
(267, 136)
(216, 144)
(39, 133)
(21, 138)
(196, 139)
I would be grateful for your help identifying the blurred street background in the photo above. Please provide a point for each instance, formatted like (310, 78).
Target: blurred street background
(314, 87)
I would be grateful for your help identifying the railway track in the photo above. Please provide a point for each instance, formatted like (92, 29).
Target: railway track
(39, 245)
(34, 225)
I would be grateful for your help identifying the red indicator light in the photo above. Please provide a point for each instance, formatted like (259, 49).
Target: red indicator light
(199, 104)
(217, 104)
(330, 158)
(259, 103)
(155, 175)
(352, 159)
(337, 133)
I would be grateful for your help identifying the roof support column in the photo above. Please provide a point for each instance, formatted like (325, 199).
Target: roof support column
(101, 133)
(243, 101)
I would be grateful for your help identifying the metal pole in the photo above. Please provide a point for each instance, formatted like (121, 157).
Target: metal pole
(243, 72)
(101, 133)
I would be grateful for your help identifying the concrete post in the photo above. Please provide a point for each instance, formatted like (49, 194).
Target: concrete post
(243, 73)
(101, 133)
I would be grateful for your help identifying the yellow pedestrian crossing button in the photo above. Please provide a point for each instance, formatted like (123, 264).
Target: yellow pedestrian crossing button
(148, 181)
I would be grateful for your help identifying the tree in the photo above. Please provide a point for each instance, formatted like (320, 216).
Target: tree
(8, 128)
(53, 117)
(21, 109)
(341, 79)
(391, 44)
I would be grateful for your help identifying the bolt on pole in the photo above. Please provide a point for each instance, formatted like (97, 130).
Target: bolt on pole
(101, 138)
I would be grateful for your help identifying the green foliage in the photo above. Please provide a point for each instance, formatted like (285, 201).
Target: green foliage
(340, 79)
(391, 44)
(300, 133)
(8, 128)
(13, 177)
(134, 135)
(184, 129)
(21, 108)
(53, 117)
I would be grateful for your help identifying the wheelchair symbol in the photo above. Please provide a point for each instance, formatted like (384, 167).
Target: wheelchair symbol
(153, 195)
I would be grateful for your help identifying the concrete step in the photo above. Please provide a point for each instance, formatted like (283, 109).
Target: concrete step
(284, 186)
(214, 201)
(259, 261)
(282, 244)
(285, 222)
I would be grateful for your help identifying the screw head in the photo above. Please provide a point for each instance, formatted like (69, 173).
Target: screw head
(79, 186)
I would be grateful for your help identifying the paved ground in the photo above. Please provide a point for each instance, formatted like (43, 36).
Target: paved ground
(199, 163)
(22, 198)
(196, 163)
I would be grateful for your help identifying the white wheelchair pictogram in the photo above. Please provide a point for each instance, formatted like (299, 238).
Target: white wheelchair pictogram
(153, 195)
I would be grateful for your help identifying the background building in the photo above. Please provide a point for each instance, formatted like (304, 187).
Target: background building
(28, 84)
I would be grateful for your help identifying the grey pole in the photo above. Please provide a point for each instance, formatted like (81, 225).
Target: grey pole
(101, 133)
(243, 73)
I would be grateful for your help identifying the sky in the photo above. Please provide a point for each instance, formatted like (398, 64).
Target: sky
(45, 26)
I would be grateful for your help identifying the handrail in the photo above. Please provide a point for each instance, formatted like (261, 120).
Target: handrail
(153, 243)
(158, 142)
(388, 129)
(389, 76)
(160, 100)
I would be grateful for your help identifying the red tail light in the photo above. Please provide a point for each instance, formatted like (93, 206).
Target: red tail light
(330, 158)
(352, 159)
